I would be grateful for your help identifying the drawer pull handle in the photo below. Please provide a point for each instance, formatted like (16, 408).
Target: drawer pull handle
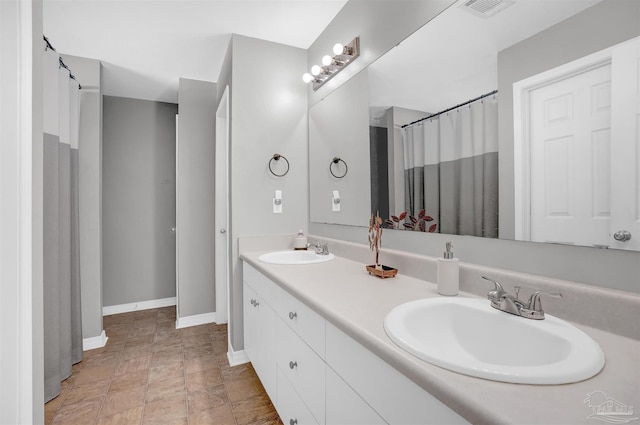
(292, 315)
(293, 365)
(293, 421)
(253, 302)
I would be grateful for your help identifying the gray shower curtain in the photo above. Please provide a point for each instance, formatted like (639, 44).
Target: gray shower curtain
(451, 169)
(62, 315)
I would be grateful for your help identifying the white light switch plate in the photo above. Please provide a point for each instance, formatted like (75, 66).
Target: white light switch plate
(335, 201)
(277, 202)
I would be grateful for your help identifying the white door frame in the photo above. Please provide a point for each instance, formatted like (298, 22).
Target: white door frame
(221, 246)
(521, 131)
(21, 355)
(176, 230)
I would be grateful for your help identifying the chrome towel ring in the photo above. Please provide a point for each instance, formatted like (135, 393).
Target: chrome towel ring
(337, 160)
(276, 157)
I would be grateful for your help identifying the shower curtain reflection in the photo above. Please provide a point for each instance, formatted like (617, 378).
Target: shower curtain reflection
(451, 169)
(62, 316)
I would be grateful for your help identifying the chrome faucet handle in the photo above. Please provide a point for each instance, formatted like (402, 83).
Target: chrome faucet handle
(497, 292)
(496, 295)
(534, 310)
(317, 246)
(534, 300)
(517, 289)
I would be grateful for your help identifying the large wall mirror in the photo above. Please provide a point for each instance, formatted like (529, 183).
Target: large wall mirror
(520, 123)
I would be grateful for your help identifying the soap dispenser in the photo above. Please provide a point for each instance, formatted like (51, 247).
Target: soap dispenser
(448, 272)
(300, 241)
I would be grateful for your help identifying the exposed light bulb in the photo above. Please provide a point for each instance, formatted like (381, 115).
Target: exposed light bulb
(307, 78)
(327, 60)
(316, 70)
(338, 49)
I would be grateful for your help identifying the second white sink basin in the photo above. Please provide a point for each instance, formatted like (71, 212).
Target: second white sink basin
(468, 336)
(295, 257)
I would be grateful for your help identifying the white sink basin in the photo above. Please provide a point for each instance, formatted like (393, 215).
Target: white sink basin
(468, 336)
(295, 257)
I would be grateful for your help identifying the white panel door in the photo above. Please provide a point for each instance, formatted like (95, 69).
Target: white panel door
(221, 248)
(625, 153)
(175, 229)
(570, 142)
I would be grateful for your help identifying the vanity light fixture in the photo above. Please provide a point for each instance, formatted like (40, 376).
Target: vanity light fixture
(332, 65)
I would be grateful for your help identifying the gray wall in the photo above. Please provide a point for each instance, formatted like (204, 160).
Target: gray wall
(616, 21)
(607, 268)
(268, 115)
(138, 200)
(380, 26)
(88, 72)
(225, 77)
(339, 126)
(195, 167)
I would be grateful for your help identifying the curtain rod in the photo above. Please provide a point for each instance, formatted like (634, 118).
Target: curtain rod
(49, 45)
(451, 109)
(60, 61)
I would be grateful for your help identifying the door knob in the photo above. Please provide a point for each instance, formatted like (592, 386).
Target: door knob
(223, 230)
(622, 235)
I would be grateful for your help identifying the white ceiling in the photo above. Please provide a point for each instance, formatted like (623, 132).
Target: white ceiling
(147, 45)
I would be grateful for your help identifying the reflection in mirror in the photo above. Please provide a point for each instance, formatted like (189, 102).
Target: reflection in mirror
(335, 125)
(540, 173)
(450, 163)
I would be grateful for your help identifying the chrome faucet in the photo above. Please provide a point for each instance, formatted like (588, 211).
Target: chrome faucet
(503, 301)
(321, 249)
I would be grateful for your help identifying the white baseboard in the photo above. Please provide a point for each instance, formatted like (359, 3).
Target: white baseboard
(237, 357)
(195, 320)
(140, 305)
(94, 342)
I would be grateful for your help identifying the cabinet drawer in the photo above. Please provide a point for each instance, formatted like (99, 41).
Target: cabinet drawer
(344, 406)
(266, 289)
(394, 396)
(290, 407)
(308, 324)
(303, 368)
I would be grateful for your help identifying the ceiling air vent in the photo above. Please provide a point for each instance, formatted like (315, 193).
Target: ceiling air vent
(486, 8)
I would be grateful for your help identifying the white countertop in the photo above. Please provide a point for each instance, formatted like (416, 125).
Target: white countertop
(356, 302)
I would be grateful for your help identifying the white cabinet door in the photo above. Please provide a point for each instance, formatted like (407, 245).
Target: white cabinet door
(344, 405)
(249, 298)
(260, 338)
(290, 406)
(303, 368)
(396, 398)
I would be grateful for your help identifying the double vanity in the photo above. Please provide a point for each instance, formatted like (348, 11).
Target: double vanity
(332, 344)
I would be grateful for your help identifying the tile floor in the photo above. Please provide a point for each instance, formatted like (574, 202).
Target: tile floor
(151, 373)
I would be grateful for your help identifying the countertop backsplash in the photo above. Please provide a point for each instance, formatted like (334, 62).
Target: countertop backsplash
(606, 309)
